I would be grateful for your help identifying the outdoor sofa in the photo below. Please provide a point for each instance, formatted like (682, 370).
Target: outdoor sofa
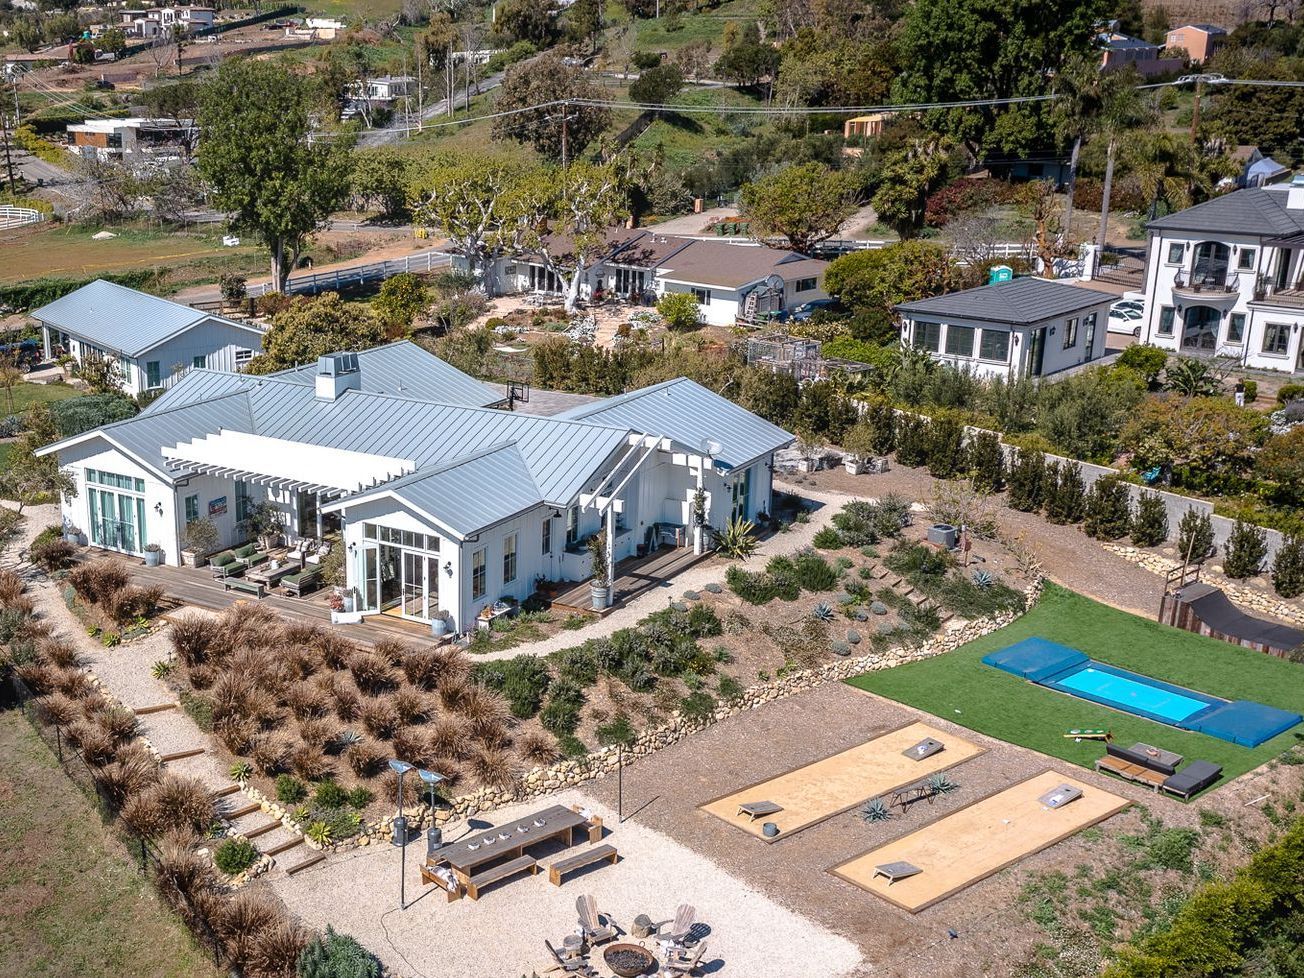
(249, 555)
(1193, 778)
(225, 565)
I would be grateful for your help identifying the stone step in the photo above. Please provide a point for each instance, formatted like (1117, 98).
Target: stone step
(157, 708)
(312, 860)
(263, 829)
(242, 811)
(226, 792)
(178, 755)
(281, 847)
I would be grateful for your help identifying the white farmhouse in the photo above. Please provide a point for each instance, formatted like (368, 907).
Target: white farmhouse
(150, 339)
(1027, 327)
(447, 503)
(1226, 278)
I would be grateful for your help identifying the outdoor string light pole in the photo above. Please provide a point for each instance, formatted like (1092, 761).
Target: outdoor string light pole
(400, 829)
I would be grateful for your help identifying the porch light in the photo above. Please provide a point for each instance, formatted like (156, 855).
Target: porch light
(448, 568)
(158, 508)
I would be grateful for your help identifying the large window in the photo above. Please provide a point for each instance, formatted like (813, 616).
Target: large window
(1276, 339)
(509, 558)
(572, 526)
(703, 296)
(805, 285)
(1236, 329)
(243, 504)
(547, 536)
(959, 341)
(1166, 317)
(478, 583)
(1245, 261)
(117, 510)
(928, 336)
(994, 345)
(401, 538)
(192, 509)
(1070, 332)
(741, 495)
(152, 378)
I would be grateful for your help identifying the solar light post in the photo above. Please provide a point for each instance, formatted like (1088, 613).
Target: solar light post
(434, 837)
(400, 829)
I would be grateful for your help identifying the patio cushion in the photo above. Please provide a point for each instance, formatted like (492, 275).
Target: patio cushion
(223, 559)
(1139, 757)
(247, 551)
(1196, 776)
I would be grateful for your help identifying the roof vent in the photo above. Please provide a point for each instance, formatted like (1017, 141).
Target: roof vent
(337, 373)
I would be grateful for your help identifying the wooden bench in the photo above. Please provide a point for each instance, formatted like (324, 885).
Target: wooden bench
(453, 889)
(1132, 772)
(240, 584)
(595, 855)
(521, 864)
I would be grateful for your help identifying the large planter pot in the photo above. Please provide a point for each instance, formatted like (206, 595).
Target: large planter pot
(152, 557)
(438, 627)
(194, 558)
(601, 596)
(854, 466)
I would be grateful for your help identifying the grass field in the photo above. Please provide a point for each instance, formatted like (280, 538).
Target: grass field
(958, 687)
(25, 395)
(690, 138)
(71, 903)
(652, 35)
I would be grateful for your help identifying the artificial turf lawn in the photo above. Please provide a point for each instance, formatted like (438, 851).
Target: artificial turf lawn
(959, 688)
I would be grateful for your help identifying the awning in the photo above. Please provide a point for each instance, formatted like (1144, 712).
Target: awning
(281, 464)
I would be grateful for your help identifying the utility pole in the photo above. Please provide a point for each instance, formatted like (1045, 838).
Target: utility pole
(9, 162)
(1195, 112)
(565, 118)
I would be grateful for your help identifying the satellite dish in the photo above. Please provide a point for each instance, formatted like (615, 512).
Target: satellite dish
(710, 446)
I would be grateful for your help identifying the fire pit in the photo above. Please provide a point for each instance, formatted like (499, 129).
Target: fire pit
(628, 960)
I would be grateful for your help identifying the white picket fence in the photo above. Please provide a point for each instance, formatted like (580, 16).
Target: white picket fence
(17, 217)
(345, 278)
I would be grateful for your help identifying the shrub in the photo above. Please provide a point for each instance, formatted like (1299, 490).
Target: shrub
(538, 747)
(1028, 481)
(698, 705)
(562, 714)
(494, 767)
(814, 573)
(1288, 567)
(1150, 524)
(330, 794)
(1108, 509)
(523, 680)
(679, 310)
(618, 731)
(1195, 535)
(738, 539)
(827, 538)
(912, 440)
(53, 555)
(1289, 392)
(987, 462)
(1144, 360)
(1246, 547)
(235, 856)
(946, 451)
(337, 956)
(1066, 500)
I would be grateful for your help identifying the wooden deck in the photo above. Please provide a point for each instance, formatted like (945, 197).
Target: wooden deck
(634, 576)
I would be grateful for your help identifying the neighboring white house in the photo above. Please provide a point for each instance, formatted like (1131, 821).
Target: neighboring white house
(132, 140)
(1226, 278)
(446, 503)
(151, 339)
(1027, 327)
(153, 21)
(730, 281)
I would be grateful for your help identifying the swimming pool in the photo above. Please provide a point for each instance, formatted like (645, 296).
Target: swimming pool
(1133, 693)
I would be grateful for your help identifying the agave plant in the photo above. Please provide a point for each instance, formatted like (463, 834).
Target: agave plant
(241, 771)
(161, 669)
(983, 579)
(875, 810)
(940, 784)
(320, 833)
(822, 612)
(738, 539)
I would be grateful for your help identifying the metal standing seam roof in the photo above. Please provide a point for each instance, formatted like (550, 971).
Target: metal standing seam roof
(121, 319)
(406, 369)
(687, 412)
(1022, 302)
(1256, 211)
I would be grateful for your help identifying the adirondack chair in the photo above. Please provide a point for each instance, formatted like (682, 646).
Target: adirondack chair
(683, 963)
(571, 966)
(595, 931)
(685, 918)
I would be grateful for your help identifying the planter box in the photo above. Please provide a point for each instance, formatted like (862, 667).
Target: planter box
(194, 559)
(346, 617)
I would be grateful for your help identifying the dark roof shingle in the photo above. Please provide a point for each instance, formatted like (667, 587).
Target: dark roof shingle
(1018, 303)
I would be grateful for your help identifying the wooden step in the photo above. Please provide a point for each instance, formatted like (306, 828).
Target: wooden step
(262, 829)
(312, 860)
(229, 790)
(157, 708)
(276, 850)
(178, 755)
(244, 810)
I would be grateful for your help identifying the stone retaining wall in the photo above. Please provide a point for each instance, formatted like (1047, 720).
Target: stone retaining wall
(572, 773)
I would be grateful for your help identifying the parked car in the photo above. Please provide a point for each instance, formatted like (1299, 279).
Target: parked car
(808, 309)
(25, 353)
(1126, 318)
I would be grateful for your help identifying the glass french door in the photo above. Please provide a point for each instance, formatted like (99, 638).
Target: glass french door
(117, 521)
(391, 578)
(414, 585)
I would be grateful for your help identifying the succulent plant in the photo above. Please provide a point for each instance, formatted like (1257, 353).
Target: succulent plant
(822, 612)
(875, 810)
(878, 608)
(842, 597)
(161, 669)
(983, 579)
(320, 833)
(241, 771)
(886, 628)
(714, 588)
(346, 739)
(853, 636)
(841, 649)
(861, 615)
(678, 606)
(940, 784)
(692, 596)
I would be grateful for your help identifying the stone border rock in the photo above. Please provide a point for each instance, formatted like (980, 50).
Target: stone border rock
(1247, 597)
(572, 773)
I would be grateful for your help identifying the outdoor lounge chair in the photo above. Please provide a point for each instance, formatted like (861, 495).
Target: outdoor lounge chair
(595, 931)
(304, 582)
(1196, 776)
(680, 962)
(1135, 765)
(249, 556)
(225, 565)
(685, 918)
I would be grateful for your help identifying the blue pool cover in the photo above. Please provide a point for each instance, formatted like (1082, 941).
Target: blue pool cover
(1070, 671)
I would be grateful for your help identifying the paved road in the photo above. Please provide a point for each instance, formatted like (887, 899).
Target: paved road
(382, 137)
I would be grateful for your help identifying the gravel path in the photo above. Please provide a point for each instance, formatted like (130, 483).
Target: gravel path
(799, 535)
(503, 932)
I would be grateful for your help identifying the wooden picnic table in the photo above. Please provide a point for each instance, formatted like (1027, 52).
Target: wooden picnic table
(559, 822)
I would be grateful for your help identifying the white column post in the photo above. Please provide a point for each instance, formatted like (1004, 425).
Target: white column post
(698, 529)
(45, 341)
(611, 553)
(319, 519)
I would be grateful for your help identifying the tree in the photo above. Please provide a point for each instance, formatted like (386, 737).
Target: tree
(1028, 481)
(400, 299)
(1066, 499)
(11, 375)
(537, 86)
(946, 451)
(658, 85)
(912, 440)
(1037, 202)
(1172, 168)
(1281, 462)
(526, 20)
(907, 178)
(805, 203)
(258, 158)
(380, 180)
(28, 478)
(1194, 535)
(1207, 442)
(679, 310)
(1246, 547)
(113, 41)
(747, 60)
(311, 328)
(27, 33)
(179, 102)
(826, 410)
(1288, 567)
(871, 282)
(1108, 509)
(103, 375)
(773, 396)
(987, 462)
(584, 22)
(1150, 526)
(1145, 360)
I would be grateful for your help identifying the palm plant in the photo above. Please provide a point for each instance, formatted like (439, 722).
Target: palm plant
(738, 539)
(1121, 109)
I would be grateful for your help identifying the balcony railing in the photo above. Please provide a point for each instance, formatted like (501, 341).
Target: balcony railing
(1207, 285)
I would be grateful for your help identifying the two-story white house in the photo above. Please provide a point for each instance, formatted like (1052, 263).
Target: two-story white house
(150, 339)
(1226, 278)
(1027, 327)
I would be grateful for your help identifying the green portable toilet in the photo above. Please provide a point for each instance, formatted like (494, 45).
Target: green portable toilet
(999, 273)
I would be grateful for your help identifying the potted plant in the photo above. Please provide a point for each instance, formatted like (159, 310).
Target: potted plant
(859, 443)
(267, 523)
(600, 583)
(199, 540)
(72, 534)
(153, 553)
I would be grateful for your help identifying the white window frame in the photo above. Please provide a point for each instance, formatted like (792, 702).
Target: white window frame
(479, 574)
(511, 558)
